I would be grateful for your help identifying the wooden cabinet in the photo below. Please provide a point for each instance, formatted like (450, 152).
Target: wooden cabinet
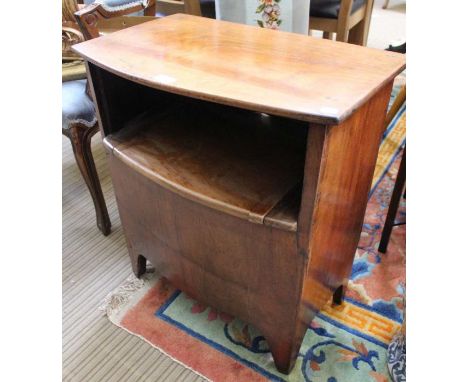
(241, 160)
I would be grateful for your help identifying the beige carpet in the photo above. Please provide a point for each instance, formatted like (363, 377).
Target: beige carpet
(93, 265)
(388, 26)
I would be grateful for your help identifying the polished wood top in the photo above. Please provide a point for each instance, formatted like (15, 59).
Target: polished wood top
(279, 73)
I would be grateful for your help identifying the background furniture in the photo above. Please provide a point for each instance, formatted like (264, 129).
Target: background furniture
(398, 48)
(100, 18)
(400, 179)
(105, 17)
(79, 122)
(226, 214)
(349, 19)
(133, 7)
(205, 8)
(397, 348)
(285, 15)
(72, 64)
(394, 203)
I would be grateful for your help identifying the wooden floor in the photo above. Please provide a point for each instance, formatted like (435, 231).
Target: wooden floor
(93, 265)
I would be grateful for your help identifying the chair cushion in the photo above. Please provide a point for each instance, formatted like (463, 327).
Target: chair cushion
(208, 8)
(118, 5)
(76, 105)
(330, 8)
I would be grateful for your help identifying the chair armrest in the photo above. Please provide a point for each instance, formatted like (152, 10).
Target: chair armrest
(71, 34)
(88, 17)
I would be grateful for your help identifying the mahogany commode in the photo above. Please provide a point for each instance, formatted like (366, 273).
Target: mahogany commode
(241, 160)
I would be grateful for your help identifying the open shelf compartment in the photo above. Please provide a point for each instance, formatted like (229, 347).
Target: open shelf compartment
(240, 162)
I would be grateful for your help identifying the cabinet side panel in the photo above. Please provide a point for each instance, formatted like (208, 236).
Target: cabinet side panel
(346, 168)
(316, 140)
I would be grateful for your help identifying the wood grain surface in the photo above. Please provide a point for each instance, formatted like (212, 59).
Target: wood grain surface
(193, 112)
(236, 161)
(275, 72)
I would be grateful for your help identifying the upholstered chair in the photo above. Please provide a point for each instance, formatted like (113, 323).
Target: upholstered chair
(205, 8)
(208, 8)
(79, 122)
(349, 19)
(114, 6)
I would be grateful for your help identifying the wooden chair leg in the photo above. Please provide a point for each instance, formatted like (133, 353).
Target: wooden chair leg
(386, 4)
(80, 136)
(359, 33)
(356, 34)
(343, 20)
(394, 203)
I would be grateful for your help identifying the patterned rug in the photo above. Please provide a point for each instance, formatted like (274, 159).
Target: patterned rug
(345, 343)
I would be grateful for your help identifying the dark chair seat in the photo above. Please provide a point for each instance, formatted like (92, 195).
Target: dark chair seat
(208, 8)
(330, 8)
(76, 105)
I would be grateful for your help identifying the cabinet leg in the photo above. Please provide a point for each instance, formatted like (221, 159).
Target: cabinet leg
(284, 352)
(339, 294)
(138, 264)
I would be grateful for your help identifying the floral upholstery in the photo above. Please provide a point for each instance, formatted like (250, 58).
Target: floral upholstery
(76, 104)
(330, 8)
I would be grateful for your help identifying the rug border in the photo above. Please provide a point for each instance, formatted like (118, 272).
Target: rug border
(159, 313)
